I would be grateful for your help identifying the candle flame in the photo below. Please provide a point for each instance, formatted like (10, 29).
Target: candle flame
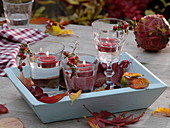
(40, 49)
(84, 62)
(47, 53)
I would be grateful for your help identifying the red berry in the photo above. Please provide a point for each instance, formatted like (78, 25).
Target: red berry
(134, 18)
(24, 48)
(125, 26)
(19, 66)
(24, 56)
(21, 54)
(76, 57)
(66, 53)
(115, 27)
(23, 64)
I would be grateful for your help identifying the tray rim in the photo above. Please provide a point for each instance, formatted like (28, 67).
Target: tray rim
(34, 102)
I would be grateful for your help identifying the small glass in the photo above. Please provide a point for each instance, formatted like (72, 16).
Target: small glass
(83, 76)
(17, 12)
(45, 67)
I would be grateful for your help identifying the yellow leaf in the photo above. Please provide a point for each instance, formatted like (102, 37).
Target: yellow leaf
(91, 121)
(65, 32)
(74, 96)
(139, 83)
(56, 30)
(164, 111)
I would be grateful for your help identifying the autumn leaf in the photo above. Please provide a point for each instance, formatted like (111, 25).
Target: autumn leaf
(2, 22)
(27, 82)
(10, 122)
(40, 20)
(3, 109)
(103, 118)
(74, 96)
(129, 74)
(163, 111)
(56, 30)
(139, 83)
(53, 99)
(92, 122)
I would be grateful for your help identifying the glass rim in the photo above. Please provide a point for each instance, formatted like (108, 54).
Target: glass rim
(105, 19)
(24, 3)
(95, 62)
(53, 52)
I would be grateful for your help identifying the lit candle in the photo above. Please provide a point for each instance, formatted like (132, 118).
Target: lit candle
(85, 69)
(107, 45)
(49, 60)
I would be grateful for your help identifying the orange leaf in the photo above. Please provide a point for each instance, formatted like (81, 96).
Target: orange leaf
(91, 121)
(63, 22)
(139, 83)
(27, 82)
(74, 96)
(53, 99)
(129, 74)
(163, 111)
(41, 20)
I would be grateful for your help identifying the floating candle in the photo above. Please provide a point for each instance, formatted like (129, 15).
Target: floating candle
(48, 61)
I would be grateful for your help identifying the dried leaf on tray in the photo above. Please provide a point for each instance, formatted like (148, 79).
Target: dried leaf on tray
(3, 109)
(27, 82)
(74, 96)
(139, 83)
(53, 99)
(100, 120)
(162, 111)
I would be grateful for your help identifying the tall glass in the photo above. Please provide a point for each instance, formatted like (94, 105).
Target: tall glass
(109, 35)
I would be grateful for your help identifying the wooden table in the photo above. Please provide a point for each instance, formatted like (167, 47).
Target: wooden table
(158, 63)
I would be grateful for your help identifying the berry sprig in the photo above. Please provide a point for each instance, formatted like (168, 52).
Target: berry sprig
(72, 58)
(22, 55)
(121, 26)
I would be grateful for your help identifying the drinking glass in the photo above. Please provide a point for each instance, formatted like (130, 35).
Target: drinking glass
(18, 12)
(45, 65)
(109, 35)
(83, 76)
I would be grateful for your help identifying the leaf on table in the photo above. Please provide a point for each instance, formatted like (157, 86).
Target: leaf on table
(27, 82)
(56, 30)
(53, 99)
(11, 122)
(40, 20)
(3, 109)
(2, 22)
(74, 96)
(139, 83)
(100, 120)
(92, 122)
(163, 111)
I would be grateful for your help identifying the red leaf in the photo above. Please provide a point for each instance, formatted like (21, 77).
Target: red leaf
(3, 109)
(117, 121)
(53, 99)
(101, 79)
(63, 22)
